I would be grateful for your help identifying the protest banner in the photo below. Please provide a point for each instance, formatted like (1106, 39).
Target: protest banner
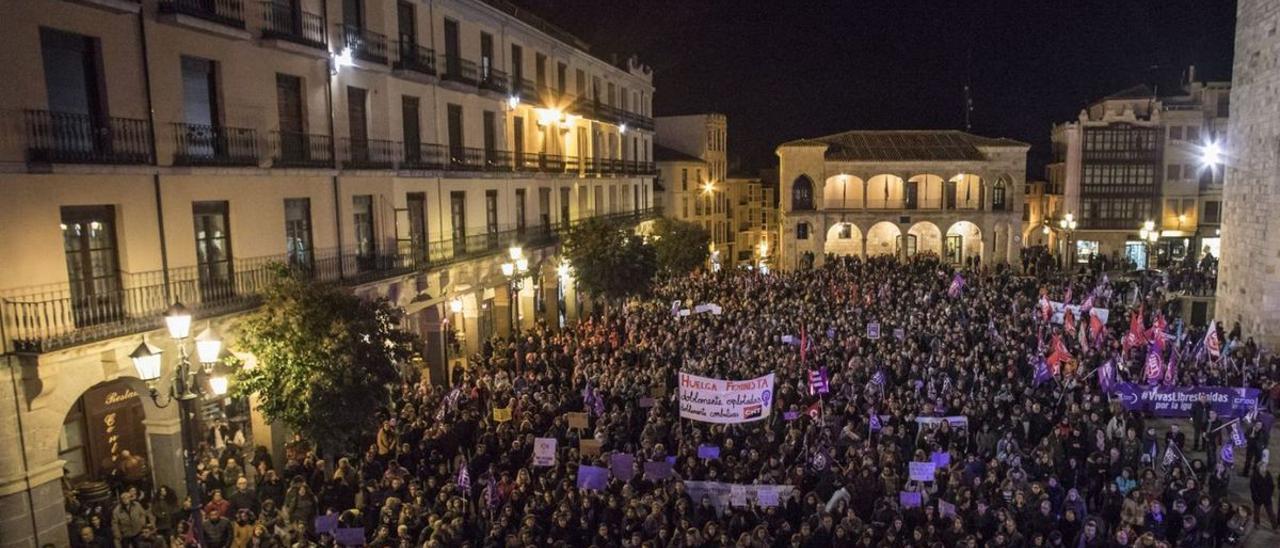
(501, 414)
(349, 536)
(725, 401)
(899, 333)
(622, 466)
(327, 523)
(1058, 315)
(921, 471)
(946, 509)
(767, 497)
(1175, 401)
(588, 447)
(646, 403)
(577, 420)
(544, 452)
(873, 330)
(957, 421)
(720, 493)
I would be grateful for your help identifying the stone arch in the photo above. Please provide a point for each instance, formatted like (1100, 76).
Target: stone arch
(928, 191)
(843, 238)
(885, 191)
(842, 192)
(802, 194)
(967, 189)
(882, 239)
(928, 237)
(963, 241)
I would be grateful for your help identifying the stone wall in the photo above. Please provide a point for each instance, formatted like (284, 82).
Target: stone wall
(1248, 282)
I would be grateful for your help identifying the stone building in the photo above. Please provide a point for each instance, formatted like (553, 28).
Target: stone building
(157, 151)
(867, 193)
(1249, 272)
(692, 155)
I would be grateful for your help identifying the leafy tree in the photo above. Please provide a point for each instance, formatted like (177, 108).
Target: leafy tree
(681, 246)
(609, 260)
(326, 360)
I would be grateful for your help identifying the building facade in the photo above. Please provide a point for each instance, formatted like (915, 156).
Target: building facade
(162, 151)
(1248, 286)
(703, 137)
(868, 193)
(1133, 158)
(753, 220)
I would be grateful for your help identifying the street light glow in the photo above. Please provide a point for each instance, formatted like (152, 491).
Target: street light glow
(1211, 154)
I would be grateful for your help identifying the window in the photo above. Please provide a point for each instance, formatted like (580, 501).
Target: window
(802, 231)
(562, 79)
(565, 200)
(200, 108)
(486, 55)
(802, 194)
(540, 70)
(455, 133)
(362, 223)
(407, 24)
(544, 207)
(416, 202)
(297, 232)
(684, 179)
(685, 209)
(1193, 134)
(1175, 133)
(353, 13)
(458, 216)
(997, 196)
(490, 139)
(1173, 172)
(213, 250)
(599, 200)
(580, 86)
(358, 123)
(1212, 211)
(72, 77)
(89, 243)
(517, 66)
(491, 211)
(520, 210)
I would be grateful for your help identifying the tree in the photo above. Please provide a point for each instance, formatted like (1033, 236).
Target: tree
(681, 246)
(326, 360)
(609, 260)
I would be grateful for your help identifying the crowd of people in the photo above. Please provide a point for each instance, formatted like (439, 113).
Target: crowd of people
(1036, 462)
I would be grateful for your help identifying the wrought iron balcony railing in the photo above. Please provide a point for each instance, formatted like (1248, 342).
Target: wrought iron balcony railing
(364, 43)
(294, 149)
(410, 56)
(65, 137)
(225, 12)
(281, 21)
(209, 145)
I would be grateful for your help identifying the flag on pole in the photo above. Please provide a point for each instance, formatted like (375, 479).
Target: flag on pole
(1107, 376)
(1057, 355)
(1046, 309)
(1237, 437)
(1169, 456)
(874, 422)
(1170, 377)
(1156, 333)
(1137, 335)
(804, 344)
(957, 284)
(1211, 342)
(1087, 305)
(1068, 320)
(1227, 453)
(491, 495)
(464, 479)
(815, 410)
(1096, 327)
(1154, 370)
(1043, 374)
(878, 378)
(818, 382)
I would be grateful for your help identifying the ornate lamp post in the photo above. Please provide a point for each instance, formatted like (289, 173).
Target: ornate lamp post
(148, 363)
(1149, 235)
(515, 271)
(1068, 225)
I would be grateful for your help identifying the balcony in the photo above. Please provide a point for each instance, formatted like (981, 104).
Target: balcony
(282, 22)
(223, 12)
(56, 316)
(209, 145)
(524, 88)
(457, 69)
(365, 44)
(293, 149)
(540, 162)
(69, 138)
(412, 57)
(493, 80)
(424, 156)
(369, 154)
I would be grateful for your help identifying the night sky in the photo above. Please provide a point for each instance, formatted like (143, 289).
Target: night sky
(783, 70)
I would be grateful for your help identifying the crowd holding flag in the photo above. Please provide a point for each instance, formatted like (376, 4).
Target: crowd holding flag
(1043, 373)
(1058, 355)
(957, 284)
(1170, 377)
(1107, 376)
(1153, 372)
(464, 478)
(1046, 309)
(873, 422)
(818, 381)
(1137, 335)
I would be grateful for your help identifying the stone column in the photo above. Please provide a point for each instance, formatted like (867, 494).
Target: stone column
(32, 510)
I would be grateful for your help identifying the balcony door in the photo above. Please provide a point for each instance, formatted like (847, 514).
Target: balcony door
(358, 123)
(297, 233)
(213, 250)
(490, 139)
(458, 216)
(913, 194)
(73, 87)
(293, 142)
(486, 55)
(199, 134)
(412, 132)
(452, 49)
(362, 223)
(417, 205)
(455, 134)
(407, 26)
(353, 13)
(93, 273)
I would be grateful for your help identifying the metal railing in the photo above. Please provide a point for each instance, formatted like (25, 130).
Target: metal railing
(64, 137)
(364, 43)
(225, 12)
(493, 80)
(457, 69)
(370, 153)
(425, 156)
(293, 149)
(209, 145)
(466, 158)
(411, 56)
(281, 21)
(57, 316)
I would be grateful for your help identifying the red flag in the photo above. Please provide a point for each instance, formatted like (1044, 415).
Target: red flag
(1095, 325)
(1137, 335)
(1068, 320)
(1066, 299)
(1046, 309)
(815, 410)
(1058, 355)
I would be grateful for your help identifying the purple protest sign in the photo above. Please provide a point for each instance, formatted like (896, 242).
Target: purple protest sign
(622, 466)
(709, 452)
(326, 523)
(790, 415)
(592, 477)
(1175, 401)
(909, 499)
(941, 459)
(657, 470)
(646, 402)
(349, 536)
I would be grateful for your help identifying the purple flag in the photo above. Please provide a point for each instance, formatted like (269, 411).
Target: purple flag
(818, 383)
(878, 378)
(790, 415)
(1227, 453)
(491, 495)
(592, 477)
(1237, 437)
(1170, 377)
(941, 459)
(957, 284)
(326, 523)
(349, 536)
(1043, 374)
(464, 480)
(874, 420)
(909, 499)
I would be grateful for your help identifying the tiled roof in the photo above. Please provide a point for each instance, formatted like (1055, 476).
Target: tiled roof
(906, 145)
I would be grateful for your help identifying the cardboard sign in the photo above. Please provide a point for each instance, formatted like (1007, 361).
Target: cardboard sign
(946, 509)
(589, 447)
(921, 471)
(544, 451)
(501, 414)
(873, 330)
(577, 420)
(941, 459)
(738, 495)
(790, 415)
(723, 401)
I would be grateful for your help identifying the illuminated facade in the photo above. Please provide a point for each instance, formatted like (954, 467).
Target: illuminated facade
(171, 150)
(868, 193)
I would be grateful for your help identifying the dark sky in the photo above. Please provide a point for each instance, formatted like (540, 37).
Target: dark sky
(785, 69)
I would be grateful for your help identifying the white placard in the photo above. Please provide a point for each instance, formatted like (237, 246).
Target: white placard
(922, 471)
(544, 452)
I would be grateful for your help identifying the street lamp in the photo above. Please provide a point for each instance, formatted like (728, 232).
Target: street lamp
(515, 271)
(1149, 235)
(148, 362)
(1068, 225)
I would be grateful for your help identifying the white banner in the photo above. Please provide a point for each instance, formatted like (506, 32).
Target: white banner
(957, 421)
(726, 494)
(1101, 313)
(724, 401)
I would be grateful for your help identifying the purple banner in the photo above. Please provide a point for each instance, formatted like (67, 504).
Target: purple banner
(1175, 401)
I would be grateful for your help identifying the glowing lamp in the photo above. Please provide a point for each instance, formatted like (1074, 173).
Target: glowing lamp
(178, 319)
